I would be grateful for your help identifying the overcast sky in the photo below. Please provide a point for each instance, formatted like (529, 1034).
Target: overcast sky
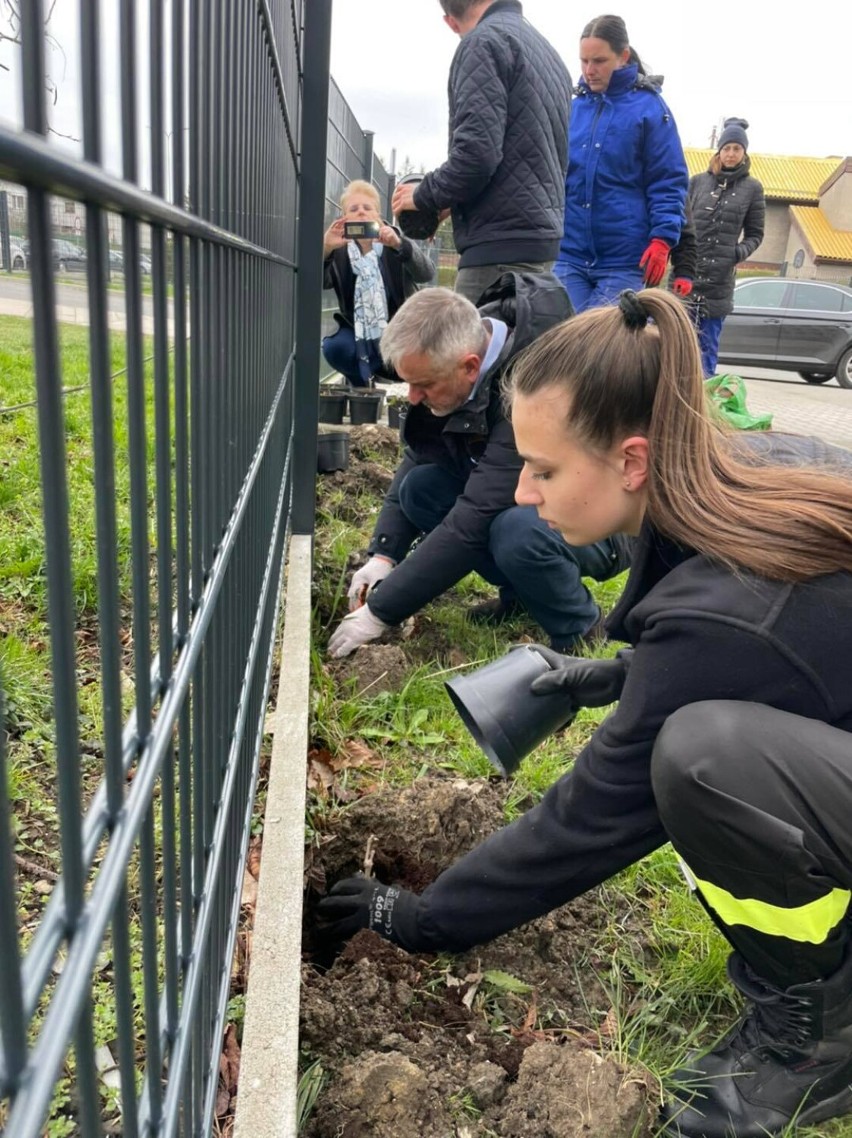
(783, 67)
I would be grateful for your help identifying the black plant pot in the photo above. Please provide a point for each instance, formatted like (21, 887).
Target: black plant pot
(501, 713)
(396, 414)
(332, 406)
(364, 406)
(332, 451)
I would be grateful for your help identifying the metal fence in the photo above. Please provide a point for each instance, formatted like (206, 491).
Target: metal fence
(221, 452)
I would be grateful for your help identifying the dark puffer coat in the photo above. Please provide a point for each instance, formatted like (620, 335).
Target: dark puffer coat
(474, 443)
(729, 213)
(504, 179)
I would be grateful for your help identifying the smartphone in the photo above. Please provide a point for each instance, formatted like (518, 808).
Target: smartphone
(362, 230)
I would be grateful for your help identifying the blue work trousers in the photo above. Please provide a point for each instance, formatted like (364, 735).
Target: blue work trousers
(526, 558)
(592, 288)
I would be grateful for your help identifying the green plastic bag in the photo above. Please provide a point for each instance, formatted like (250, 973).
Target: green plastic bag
(728, 395)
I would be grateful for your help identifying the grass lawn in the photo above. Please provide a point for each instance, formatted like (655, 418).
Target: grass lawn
(665, 963)
(24, 634)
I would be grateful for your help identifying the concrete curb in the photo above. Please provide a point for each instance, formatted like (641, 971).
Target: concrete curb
(266, 1099)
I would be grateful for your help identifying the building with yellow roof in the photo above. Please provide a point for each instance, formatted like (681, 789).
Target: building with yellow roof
(808, 213)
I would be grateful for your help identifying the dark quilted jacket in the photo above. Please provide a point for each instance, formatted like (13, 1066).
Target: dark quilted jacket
(510, 100)
(729, 214)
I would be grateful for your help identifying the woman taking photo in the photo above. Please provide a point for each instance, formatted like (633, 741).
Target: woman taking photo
(372, 278)
(732, 737)
(627, 178)
(729, 212)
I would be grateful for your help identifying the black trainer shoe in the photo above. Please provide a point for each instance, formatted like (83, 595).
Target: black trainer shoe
(789, 1057)
(495, 611)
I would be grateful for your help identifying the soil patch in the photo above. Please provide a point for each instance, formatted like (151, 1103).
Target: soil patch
(373, 668)
(495, 1041)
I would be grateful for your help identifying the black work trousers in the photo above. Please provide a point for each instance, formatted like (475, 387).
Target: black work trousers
(758, 805)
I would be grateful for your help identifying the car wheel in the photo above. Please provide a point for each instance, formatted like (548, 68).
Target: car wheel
(18, 265)
(62, 267)
(816, 376)
(844, 369)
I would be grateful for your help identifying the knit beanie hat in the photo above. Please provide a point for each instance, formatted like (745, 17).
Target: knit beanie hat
(733, 130)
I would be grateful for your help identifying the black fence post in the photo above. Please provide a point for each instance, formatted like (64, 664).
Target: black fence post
(391, 188)
(314, 133)
(369, 135)
(5, 243)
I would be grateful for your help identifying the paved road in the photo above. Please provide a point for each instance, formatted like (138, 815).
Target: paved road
(72, 304)
(68, 295)
(796, 406)
(803, 408)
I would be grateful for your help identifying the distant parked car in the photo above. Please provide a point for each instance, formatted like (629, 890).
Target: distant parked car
(145, 264)
(17, 256)
(116, 261)
(67, 257)
(792, 325)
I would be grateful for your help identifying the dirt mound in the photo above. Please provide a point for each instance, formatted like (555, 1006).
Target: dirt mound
(417, 1045)
(373, 668)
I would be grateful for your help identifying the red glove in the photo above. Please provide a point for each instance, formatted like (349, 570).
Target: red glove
(654, 261)
(681, 286)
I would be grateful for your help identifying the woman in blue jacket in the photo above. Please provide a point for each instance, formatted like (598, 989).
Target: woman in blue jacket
(627, 179)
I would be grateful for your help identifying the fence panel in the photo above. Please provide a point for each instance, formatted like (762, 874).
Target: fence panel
(164, 498)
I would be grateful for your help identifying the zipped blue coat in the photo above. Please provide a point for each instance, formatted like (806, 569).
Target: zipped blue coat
(627, 176)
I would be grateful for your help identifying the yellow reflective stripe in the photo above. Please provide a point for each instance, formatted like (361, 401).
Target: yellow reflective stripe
(810, 923)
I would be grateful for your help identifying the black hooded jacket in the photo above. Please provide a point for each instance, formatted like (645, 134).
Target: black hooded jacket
(477, 445)
(504, 178)
(725, 207)
(699, 632)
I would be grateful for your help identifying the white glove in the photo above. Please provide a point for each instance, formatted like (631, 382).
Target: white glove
(366, 579)
(359, 627)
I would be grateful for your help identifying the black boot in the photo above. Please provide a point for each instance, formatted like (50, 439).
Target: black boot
(790, 1056)
(497, 610)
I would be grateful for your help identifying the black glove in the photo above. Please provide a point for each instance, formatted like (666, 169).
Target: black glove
(363, 903)
(589, 683)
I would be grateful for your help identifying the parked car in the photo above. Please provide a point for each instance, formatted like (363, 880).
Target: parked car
(17, 256)
(145, 264)
(67, 257)
(791, 325)
(116, 261)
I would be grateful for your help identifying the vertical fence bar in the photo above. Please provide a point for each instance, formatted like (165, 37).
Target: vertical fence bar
(13, 1028)
(60, 594)
(103, 444)
(309, 256)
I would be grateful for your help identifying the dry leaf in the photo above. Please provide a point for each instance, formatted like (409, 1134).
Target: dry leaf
(223, 1100)
(249, 896)
(356, 753)
(532, 1014)
(320, 776)
(231, 1055)
(255, 850)
(609, 1027)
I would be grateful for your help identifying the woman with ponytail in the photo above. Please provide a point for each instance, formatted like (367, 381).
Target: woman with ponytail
(732, 734)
